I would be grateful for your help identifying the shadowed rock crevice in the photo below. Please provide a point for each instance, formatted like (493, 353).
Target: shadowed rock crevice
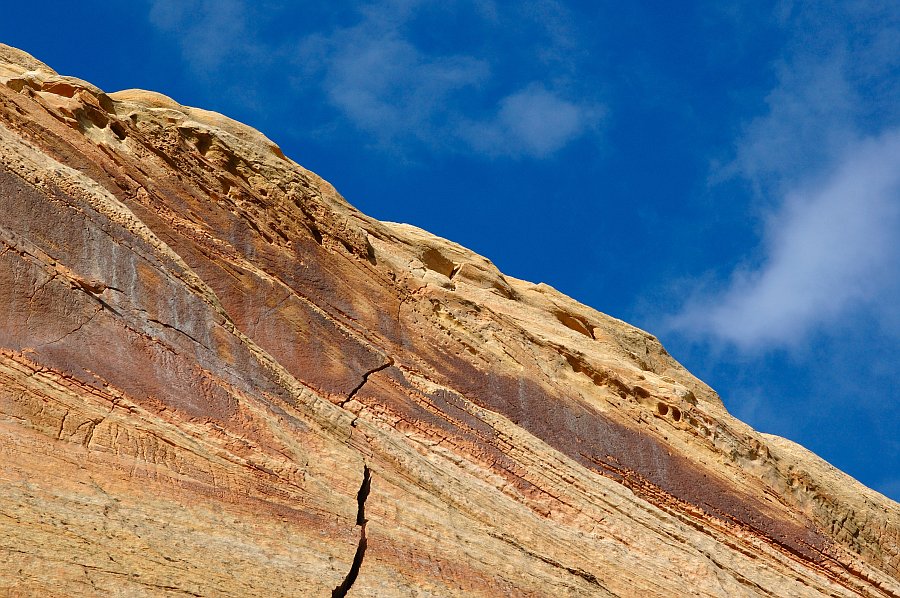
(384, 366)
(361, 497)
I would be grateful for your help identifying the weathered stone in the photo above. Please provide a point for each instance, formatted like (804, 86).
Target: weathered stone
(218, 378)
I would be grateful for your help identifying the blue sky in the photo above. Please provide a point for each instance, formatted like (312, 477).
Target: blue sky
(724, 175)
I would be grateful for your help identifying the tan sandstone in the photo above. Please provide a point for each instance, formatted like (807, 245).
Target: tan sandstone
(217, 377)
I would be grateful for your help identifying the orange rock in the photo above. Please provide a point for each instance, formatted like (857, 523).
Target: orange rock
(219, 378)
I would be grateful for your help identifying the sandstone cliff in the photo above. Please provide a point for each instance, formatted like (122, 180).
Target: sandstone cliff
(218, 378)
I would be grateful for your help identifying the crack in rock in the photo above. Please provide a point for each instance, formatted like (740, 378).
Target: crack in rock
(361, 496)
(384, 366)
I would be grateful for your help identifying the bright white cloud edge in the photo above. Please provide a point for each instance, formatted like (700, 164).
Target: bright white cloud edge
(830, 251)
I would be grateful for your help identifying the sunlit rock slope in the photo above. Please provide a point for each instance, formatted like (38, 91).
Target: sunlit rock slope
(218, 378)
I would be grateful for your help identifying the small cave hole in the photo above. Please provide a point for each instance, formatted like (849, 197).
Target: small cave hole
(574, 363)
(574, 323)
(370, 254)
(662, 408)
(316, 234)
(98, 118)
(204, 143)
(676, 413)
(434, 260)
(118, 130)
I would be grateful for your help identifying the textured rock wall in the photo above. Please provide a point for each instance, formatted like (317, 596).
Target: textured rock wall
(217, 378)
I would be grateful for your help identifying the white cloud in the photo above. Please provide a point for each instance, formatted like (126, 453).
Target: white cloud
(836, 83)
(209, 31)
(811, 115)
(533, 122)
(831, 249)
(387, 86)
(396, 77)
(824, 160)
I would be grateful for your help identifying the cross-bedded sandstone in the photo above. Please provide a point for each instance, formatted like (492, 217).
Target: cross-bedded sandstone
(202, 345)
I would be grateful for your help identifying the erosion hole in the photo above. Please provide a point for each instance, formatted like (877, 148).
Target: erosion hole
(316, 234)
(436, 261)
(676, 413)
(118, 130)
(640, 392)
(203, 143)
(573, 323)
(662, 408)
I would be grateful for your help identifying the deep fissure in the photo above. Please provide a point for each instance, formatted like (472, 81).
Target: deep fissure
(361, 496)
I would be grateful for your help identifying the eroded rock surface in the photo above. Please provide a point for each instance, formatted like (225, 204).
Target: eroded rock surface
(218, 378)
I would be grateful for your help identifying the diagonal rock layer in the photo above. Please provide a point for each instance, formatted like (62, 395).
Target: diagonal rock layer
(204, 348)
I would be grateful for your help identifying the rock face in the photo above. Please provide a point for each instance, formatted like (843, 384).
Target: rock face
(218, 378)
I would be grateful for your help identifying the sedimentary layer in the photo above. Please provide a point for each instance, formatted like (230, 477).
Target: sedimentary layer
(218, 378)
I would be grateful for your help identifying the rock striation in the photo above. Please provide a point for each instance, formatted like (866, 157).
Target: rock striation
(218, 378)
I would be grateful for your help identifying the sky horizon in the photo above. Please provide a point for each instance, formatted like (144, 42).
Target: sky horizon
(725, 176)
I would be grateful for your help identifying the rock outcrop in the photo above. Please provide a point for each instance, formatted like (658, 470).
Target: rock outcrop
(218, 378)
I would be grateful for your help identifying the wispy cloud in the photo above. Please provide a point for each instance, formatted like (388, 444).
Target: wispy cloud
(532, 121)
(836, 83)
(401, 76)
(383, 83)
(386, 85)
(825, 163)
(830, 249)
(209, 32)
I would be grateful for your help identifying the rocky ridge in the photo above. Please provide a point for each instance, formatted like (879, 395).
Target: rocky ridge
(218, 378)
